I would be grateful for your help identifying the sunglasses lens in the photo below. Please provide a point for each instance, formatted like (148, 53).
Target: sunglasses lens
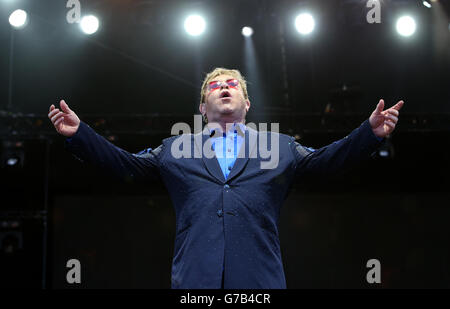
(232, 82)
(214, 85)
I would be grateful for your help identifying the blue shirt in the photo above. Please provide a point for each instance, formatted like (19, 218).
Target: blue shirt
(227, 145)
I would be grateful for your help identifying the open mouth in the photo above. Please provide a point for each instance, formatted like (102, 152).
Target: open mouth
(225, 94)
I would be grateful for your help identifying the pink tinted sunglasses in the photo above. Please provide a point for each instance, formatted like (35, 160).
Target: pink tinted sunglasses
(233, 83)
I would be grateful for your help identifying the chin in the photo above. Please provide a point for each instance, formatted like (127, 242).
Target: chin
(225, 108)
(227, 112)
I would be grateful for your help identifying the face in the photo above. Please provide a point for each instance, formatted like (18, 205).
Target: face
(224, 100)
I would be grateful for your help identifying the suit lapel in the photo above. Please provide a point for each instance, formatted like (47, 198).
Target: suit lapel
(212, 165)
(246, 151)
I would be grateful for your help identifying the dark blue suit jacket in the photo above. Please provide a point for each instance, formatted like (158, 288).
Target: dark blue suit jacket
(226, 227)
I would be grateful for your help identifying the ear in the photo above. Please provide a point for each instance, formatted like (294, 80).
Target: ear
(202, 108)
(247, 103)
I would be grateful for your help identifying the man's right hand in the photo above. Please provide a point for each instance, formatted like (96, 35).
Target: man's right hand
(66, 122)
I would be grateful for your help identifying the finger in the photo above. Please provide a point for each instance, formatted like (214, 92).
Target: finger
(393, 111)
(380, 107)
(52, 107)
(52, 113)
(59, 115)
(390, 124)
(64, 106)
(391, 117)
(398, 106)
(57, 122)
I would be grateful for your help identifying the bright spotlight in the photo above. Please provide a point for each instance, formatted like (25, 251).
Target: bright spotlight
(427, 4)
(305, 23)
(247, 31)
(12, 161)
(383, 153)
(406, 26)
(89, 24)
(18, 18)
(194, 25)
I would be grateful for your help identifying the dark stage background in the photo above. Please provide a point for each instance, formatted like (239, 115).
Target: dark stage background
(141, 73)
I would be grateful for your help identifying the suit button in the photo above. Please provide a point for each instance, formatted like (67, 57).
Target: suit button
(220, 213)
(226, 186)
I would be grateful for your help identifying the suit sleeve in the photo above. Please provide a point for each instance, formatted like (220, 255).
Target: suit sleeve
(90, 147)
(337, 157)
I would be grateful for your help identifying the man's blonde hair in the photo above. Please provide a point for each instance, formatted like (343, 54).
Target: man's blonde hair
(222, 71)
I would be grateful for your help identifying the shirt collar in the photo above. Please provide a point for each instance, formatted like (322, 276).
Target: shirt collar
(239, 127)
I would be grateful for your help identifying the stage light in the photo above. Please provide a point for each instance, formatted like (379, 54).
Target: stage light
(427, 4)
(12, 161)
(305, 23)
(406, 26)
(89, 24)
(384, 153)
(247, 31)
(386, 150)
(194, 25)
(18, 19)
(12, 154)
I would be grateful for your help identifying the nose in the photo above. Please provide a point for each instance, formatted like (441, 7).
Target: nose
(224, 85)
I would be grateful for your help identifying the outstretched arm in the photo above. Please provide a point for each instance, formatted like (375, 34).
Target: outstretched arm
(89, 146)
(348, 152)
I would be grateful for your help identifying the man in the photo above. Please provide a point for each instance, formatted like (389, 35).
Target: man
(227, 207)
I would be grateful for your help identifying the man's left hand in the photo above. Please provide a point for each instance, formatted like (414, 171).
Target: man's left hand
(383, 122)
